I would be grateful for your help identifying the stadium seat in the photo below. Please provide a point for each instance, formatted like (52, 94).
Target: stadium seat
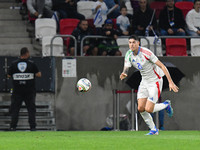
(85, 8)
(195, 47)
(176, 47)
(45, 27)
(151, 39)
(57, 46)
(66, 28)
(68, 25)
(123, 45)
(114, 23)
(184, 6)
(158, 6)
(129, 8)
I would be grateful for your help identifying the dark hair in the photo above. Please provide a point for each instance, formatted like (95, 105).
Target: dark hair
(82, 21)
(135, 37)
(123, 7)
(23, 51)
(196, 1)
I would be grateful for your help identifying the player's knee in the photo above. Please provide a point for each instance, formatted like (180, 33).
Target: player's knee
(149, 110)
(141, 109)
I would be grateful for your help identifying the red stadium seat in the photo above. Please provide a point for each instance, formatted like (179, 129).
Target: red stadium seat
(158, 6)
(66, 27)
(91, 25)
(185, 7)
(176, 47)
(114, 23)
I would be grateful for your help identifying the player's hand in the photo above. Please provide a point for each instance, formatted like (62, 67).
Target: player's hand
(170, 31)
(122, 76)
(140, 28)
(108, 32)
(173, 87)
(98, 7)
(180, 30)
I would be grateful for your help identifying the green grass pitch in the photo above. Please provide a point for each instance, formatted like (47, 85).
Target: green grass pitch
(99, 140)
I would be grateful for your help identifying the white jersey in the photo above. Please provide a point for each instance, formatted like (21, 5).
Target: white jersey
(144, 61)
(101, 15)
(124, 22)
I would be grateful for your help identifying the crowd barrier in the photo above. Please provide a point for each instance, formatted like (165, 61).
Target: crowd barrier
(105, 37)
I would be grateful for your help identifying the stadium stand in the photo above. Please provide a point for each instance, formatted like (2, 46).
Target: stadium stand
(185, 7)
(129, 8)
(57, 46)
(176, 47)
(195, 47)
(151, 39)
(45, 27)
(158, 6)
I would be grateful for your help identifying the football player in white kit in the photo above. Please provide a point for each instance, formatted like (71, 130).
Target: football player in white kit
(152, 71)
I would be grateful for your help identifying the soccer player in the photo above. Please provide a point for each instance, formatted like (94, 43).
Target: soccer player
(152, 71)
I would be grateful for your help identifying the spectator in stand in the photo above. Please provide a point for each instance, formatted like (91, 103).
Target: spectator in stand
(193, 20)
(40, 8)
(89, 45)
(109, 46)
(142, 18)
(111, 4)
(99, 11)
(171, 20)
(67, 9)
(184, 0)
(135, 4)
(123, 22)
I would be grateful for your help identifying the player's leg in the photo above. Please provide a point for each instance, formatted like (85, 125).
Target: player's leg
(142, 100)
(155, 92)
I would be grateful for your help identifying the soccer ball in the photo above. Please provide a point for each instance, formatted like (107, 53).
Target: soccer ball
(84, 85)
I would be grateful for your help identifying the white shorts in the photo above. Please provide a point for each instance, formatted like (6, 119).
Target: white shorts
(150, 90)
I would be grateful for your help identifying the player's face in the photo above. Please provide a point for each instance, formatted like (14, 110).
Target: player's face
(143, 4)
(170, 3)
(197, 6)
(133, 45)
(84, 25)
(123, 11)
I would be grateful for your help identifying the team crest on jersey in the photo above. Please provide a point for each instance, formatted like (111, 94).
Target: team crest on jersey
(22, 66)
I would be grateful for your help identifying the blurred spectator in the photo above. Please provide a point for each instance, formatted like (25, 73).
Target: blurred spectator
(89, 45)
(135, 4)
(171, 20)
(112, 5)
(193, 20)
(142, 19)
(99, 11)
(123, 22)
(40, 8)
(109, 46)
(67, 9)
(184, 0)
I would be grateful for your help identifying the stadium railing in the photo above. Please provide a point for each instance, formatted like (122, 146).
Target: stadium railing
(59, 35)
(105, 37)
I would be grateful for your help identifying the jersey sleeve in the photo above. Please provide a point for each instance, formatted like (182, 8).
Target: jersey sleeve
(127, 60)
(153, 58)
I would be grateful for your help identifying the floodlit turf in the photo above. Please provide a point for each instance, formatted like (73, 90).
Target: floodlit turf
(99, 140)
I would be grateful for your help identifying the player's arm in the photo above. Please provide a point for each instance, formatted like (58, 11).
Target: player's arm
(9, 76)
(124, 74)
(172, 86)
